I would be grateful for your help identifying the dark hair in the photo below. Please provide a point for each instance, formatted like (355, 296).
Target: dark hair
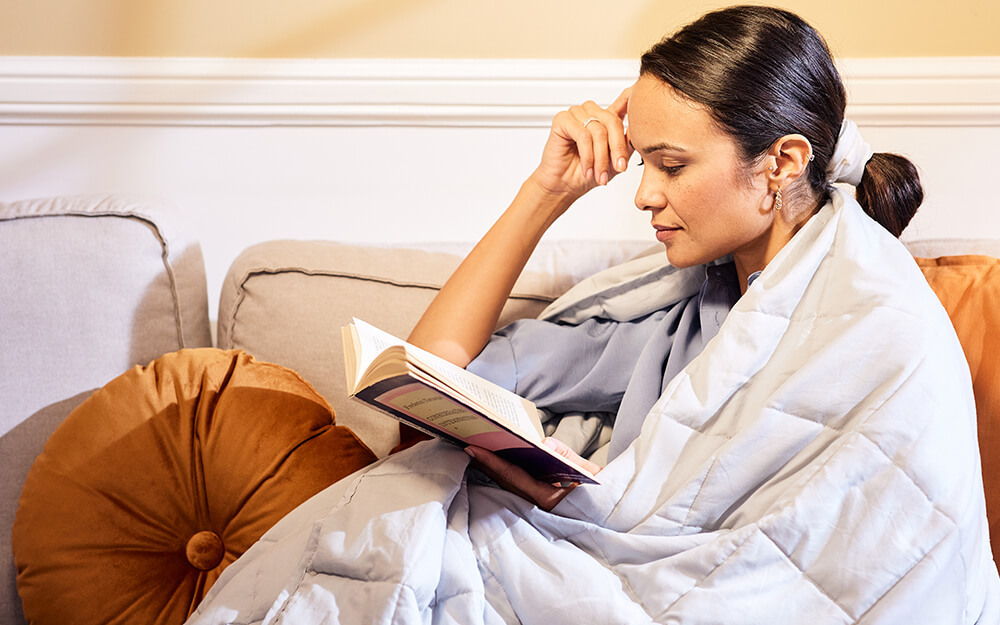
(764, 73)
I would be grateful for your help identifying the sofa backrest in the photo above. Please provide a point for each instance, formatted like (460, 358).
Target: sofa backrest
(285, 302)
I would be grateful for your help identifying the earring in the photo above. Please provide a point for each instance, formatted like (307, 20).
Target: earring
(777, 200)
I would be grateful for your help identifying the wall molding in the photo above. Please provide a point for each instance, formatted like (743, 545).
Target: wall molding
(522, 93)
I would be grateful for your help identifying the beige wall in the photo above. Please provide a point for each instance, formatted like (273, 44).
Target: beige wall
(460, 28)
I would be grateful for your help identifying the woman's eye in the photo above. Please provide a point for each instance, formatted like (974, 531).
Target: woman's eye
(670, 170)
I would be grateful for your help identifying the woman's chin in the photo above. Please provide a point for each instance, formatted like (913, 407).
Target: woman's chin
(680, 260)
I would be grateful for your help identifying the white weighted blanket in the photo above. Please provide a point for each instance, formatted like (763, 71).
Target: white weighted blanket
(817, 463)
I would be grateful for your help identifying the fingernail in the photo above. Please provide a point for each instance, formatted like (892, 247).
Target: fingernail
(471, 452)
(590, 173)
(604, 178)
(622, 163)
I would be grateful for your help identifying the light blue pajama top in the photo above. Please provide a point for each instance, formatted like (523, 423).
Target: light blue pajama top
(604, 366)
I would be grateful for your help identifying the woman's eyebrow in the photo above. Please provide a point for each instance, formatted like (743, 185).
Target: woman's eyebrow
(659, 147)
(665, 147)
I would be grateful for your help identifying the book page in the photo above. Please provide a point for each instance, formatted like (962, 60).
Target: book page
(501, 401)
(428, 404)
(372, 342)
(518, 411)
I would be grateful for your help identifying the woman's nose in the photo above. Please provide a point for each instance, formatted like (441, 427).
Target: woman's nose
(648, 197)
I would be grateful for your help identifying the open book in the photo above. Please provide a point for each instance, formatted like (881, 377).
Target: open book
(446, 401)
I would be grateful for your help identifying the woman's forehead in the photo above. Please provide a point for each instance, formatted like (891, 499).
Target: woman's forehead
(660, 116)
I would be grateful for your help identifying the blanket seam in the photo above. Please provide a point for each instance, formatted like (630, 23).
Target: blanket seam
(685, 523)
(605, 561)
(279, 616)
(902, 470)
(438, 599)
(909, 478)
(694, 500)
(397, 596)
(863, 434)
(815, 471)
(624, 580)
(818, 587)
(308, 566)
(760, 530)
(900, 579)
(806, 576)
(707, 574)
(496, 582)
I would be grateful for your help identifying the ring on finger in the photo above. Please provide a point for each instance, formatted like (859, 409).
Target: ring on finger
(592, 119)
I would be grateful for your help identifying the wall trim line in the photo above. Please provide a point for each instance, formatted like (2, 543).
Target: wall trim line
(524, 93)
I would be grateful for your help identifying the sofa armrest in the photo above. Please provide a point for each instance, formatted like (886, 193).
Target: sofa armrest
(91, 285)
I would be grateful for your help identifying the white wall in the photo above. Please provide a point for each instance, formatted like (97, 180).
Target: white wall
(403, 151)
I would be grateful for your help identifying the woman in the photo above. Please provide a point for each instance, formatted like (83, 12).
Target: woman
(795, 436)
(721, 178)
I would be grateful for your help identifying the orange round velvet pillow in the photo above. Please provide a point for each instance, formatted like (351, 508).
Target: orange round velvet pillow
(164, 477)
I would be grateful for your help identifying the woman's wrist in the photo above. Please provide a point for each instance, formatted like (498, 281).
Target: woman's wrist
(547, 201)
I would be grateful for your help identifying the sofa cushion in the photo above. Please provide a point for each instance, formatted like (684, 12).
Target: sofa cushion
(164, 477)
(969, 289)
(91, 285)
(285, 302)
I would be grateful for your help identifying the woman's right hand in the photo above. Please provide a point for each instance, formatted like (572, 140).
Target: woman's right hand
(515, 479)
(587, 147)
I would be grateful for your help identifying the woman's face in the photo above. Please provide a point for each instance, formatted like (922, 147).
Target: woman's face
(704, 204)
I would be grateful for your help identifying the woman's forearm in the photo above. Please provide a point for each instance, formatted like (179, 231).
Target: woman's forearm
(586, 147)
(464, 314)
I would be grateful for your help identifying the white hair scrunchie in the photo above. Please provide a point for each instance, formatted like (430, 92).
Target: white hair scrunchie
(849, 156)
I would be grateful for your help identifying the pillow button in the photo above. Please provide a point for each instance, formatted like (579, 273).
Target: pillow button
(205, 550)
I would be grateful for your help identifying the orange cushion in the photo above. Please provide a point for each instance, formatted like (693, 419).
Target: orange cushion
(969, 288)
(164, 477)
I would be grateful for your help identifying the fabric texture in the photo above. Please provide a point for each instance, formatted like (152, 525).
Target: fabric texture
(969, 289)
(136, 295)
(164, 477)
(816, 463)
(90, 285)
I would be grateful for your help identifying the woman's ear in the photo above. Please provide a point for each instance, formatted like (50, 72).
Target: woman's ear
(787, 159)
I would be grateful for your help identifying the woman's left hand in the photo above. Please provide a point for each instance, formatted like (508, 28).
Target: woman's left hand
(516, 480)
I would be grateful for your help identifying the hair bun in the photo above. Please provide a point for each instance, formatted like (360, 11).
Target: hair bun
(890, 191)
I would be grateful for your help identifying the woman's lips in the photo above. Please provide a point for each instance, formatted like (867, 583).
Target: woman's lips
(665, 233)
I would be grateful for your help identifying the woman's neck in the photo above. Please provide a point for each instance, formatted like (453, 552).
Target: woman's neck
(783, 229)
